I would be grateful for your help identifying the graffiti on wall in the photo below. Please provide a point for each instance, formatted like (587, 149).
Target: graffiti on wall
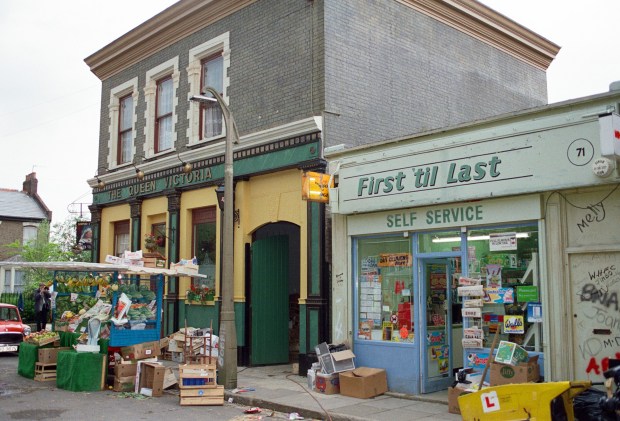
(596, 308)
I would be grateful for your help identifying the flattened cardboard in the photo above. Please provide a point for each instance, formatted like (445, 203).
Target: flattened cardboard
(363, 382)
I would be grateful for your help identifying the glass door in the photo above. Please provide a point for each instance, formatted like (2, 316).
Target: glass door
(436, 317)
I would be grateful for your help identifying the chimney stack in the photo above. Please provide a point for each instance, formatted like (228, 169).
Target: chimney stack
(30, 185)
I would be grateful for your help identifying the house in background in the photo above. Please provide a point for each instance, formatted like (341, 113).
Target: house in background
(21, 212)
(299, 76)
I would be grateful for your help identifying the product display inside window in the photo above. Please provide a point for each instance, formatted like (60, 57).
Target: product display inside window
(385, 290)
(501, 292)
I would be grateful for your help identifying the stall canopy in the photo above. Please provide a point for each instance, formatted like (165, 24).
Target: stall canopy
(99, 267)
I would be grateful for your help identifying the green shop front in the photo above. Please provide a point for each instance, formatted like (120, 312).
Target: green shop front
(416, 223)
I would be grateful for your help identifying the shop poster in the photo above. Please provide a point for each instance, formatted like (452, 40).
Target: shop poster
(443, 365)
(494, 276)
(477, 360)
(499, 296)
(365, 329)
(440, 352)
(503, 241)
(534, 313)
(435, 338)
(527, 294)
(514, 324)
(395, 259)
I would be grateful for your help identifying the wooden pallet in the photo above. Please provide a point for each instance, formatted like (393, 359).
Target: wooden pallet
(44, 372)
(205, 396)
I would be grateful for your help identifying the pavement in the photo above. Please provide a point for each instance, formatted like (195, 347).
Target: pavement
(278, 388)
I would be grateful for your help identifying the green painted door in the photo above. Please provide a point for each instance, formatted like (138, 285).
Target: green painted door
(269, 310)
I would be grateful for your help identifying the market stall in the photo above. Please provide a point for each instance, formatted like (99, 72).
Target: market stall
(126, 302)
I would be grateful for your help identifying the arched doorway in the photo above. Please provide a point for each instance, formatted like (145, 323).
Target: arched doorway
(273, 304)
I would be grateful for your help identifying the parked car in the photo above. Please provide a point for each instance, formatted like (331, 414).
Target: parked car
(12, 330)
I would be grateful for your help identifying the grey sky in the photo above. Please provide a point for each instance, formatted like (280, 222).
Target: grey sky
(50, 101)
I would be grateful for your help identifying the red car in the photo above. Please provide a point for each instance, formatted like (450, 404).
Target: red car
(12, 330)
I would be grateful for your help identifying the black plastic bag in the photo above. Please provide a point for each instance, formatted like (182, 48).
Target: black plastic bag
(587, 406)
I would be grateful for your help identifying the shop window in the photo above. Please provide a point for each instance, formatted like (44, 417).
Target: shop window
(122, 109)
(159, 233)
(204, 246)
(208, 64)
(384, 279)
(121, 238)
(506, 262)
(162, 83)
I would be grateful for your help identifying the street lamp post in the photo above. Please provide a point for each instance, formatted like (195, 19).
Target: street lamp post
(228, 331)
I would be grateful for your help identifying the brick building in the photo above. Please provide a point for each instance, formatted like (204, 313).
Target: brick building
(299, 76)
(21, 212)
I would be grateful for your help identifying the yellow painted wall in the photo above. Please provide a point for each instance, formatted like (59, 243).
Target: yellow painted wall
(108, 217)
(270, 198)
(154, 211)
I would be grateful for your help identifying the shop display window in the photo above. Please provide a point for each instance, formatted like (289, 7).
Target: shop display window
(384, 271)
(504, 260)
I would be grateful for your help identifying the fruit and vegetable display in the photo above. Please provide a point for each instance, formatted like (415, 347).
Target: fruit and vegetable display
(42, 338)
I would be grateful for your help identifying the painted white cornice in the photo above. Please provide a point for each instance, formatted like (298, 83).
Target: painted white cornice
(491, 27)
(286, 131)
(164, 29)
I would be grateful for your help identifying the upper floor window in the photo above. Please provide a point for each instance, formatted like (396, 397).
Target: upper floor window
(29, 233)
(122, 109)
(163, 118)
(211, 114)
(125, 130)
(162, 84)
(208, 66)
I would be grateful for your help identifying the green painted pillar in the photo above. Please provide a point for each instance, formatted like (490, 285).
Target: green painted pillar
(172, 305)
(95, 225)
(135, 207)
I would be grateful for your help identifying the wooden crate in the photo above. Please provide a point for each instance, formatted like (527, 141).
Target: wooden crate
(197, 376)
(202, 396)
(44, 372)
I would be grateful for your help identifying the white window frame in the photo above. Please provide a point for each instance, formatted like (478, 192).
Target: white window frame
(168, 68)
(131, 86)
(194, 73)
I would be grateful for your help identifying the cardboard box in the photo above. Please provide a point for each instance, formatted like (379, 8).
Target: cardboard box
(152, 377)
(511, 353)
(141, 351)
(363, 382)
(125, 369)
(124, 384)
(453, 398)
(521, 373)
(49, 355)
(328, 384)
(334, 362)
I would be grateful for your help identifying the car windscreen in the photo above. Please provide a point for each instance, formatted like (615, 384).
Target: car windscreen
(8, 314)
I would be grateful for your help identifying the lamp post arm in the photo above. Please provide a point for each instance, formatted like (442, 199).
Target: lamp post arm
(228, 117)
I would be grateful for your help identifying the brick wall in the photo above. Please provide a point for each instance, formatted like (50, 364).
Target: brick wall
(10, 231)
(392, 71)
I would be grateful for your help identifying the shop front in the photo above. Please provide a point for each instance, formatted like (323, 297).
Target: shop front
(448, 241)
(406, 306)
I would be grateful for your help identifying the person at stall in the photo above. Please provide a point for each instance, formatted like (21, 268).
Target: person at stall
(42, 300)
